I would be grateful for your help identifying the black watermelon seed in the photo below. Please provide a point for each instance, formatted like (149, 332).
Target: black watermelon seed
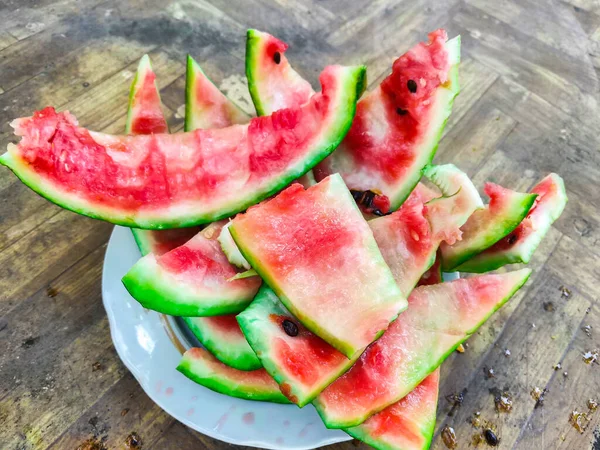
(412, 86)
(290, 328)
(277, 57)
(356, 194)
(401, 112)
(490, 437)
(512, 239)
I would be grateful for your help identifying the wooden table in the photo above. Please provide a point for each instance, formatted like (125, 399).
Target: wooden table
(529, 105)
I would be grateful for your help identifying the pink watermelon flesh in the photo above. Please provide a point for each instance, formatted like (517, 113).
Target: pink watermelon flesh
(395, 131)
(191, 280)
(488, 225)
(203, 368)
(145, 114)
(182, 179)
(221, 335)
(315, 250)
(520, 244)
(407, 424)
(438, 319)
(303, 364)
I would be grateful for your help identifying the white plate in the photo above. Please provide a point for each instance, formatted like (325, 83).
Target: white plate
(150, 345)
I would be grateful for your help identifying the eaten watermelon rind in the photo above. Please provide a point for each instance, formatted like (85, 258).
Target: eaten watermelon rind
(344, 347)
(348, 86)
(444, 99)
(195, 116)
(156, 289)
(231, 250)
(521, 253)
(516, 279)
(199, 366)
(261, 333)
(236, 353)
(505, 219)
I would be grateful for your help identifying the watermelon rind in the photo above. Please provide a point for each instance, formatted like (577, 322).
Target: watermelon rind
(195, 116)
(159, 290)
(201, 367)
(426, 365)
(350, 84)
(231, 250)
(485, 231)
(443, 102)
(386, 279)
(261, 333)
(491, 260)
(419, 419)
(236, 353)
(144, 67)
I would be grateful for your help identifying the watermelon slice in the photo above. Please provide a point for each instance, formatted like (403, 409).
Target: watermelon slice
(179, 180)
(191, 280)
(407, 424)
(231, 250)
(315, 250)
(519, 245)
(487, 226)
(144, 116)
(203, 368)
(206, 107)
(302, 363)
(221, 335)
(397, 126)
(438, 319)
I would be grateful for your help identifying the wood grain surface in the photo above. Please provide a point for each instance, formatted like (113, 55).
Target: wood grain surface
(528, 106)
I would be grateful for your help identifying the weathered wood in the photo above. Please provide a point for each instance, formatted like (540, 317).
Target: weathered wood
(528, 106)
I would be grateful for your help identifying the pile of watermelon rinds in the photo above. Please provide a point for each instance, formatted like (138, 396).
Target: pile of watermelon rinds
(304, 247)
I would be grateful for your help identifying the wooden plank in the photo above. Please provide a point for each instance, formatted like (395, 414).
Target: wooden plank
(123, 412)
(6, 40)
(533, 354)
(549, 426)
(178, 436)
(66, 384)
(585, 5)
(40, 256)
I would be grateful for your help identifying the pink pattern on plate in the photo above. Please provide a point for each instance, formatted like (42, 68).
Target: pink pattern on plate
(169, 391)
(248, 418)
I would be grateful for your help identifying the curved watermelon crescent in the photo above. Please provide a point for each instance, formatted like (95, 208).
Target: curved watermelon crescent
(348, 87)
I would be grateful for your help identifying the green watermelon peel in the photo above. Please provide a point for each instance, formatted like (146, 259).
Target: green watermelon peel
(201, 367)
(222, 337)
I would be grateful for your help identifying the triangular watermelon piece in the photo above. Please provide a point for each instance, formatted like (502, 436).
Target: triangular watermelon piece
(397, 126)
(181, 179)
(519, 245)
(191, 280)
(488, 225)
(302, 363)
(438, 319)
(316, 251)
(221, 335)
(144, 115)
(203, 368)
(407, 424)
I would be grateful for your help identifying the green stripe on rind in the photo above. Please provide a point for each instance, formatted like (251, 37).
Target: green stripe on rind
(155, 289)
(353, 81)
(253, 51)
(266, 303)
(198, 372)
(141, 239)
(341, 346)
(193, 69)
(445, 100)
(504, 224)
(238, 355)
(487, 261)
(428, 366)
(427, 429)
